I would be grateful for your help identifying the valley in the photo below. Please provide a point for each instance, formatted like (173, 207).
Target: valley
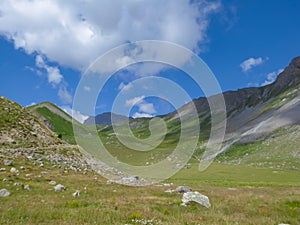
(254, 179)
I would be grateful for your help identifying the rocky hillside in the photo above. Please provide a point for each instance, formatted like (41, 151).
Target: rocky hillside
(19, 128)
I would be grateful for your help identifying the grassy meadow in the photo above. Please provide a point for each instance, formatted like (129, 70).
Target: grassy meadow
(238, 194)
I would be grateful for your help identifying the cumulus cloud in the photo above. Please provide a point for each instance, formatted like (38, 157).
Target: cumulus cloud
(250, 63)
(65, 95)
(271, 77)
(133, 101)
(142, 115)
(74, 113)
(87, 88)
(147, 108)
(53, 73)
(125, 87)
(74, 33)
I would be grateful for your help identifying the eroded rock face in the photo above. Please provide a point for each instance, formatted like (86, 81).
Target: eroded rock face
(195, 197)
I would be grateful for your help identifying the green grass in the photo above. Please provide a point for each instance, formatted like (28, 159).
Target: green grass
(239, 195)
(279, 150)
(59, 125)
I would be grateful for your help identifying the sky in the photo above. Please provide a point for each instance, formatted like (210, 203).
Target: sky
(46, 46)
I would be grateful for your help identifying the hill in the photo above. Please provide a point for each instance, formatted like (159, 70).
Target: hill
(19, 128)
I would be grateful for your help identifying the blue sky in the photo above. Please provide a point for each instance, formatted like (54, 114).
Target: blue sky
(45, 46)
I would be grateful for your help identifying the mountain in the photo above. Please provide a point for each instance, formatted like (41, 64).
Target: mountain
(263, 125)
(19, 128)
(106, 119)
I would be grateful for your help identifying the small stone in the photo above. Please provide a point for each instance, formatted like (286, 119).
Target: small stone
(7, 162)
(13, 170)
(4, 193)
(42, 165)
(183, 189)
(44, 172)
(2, 169)
(59, 187)
(22, 168)
(52, 182)
(26, 187)
(4, 180)
(76, 193)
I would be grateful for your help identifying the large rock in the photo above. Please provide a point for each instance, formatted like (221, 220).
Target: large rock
(195, 197)
(4, 193)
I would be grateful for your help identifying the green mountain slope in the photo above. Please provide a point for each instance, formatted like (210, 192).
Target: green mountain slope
(55, 119)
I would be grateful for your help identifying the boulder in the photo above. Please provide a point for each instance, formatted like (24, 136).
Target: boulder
(195, 197)
(4, 193)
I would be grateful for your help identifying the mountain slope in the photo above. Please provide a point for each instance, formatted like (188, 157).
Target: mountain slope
(19, 128)
(253, 116)
(55, 119)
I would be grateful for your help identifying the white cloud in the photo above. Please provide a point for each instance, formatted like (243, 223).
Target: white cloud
(142, 115)
(31, 104)
(133, 101)
(271, 77)
(250, 63)
(74, 113)
(64, 95)
(147, 108)
(87, 88)
(74, 33)
(53, 73)
(125, 87)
